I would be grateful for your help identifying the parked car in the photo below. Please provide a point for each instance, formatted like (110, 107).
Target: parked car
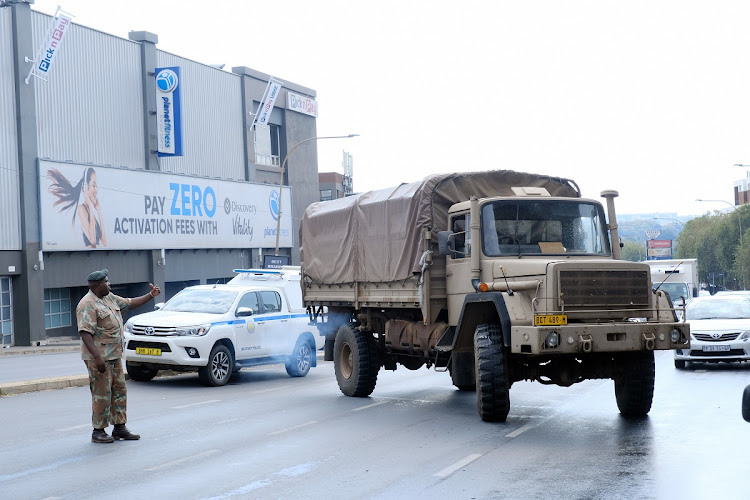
(255, 319)
(719, 330)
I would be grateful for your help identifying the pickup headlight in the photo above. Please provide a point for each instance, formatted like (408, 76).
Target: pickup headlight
(128, 326)
(192, 331)
(745, 335)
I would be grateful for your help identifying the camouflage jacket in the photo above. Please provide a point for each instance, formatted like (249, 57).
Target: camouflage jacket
(102, 318)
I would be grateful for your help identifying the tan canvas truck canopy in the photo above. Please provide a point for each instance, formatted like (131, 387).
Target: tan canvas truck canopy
(376, 236)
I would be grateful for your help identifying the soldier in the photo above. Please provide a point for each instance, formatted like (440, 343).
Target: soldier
(100, 326)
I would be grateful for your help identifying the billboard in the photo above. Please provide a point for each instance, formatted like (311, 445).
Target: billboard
(103, 208)
(659, 249)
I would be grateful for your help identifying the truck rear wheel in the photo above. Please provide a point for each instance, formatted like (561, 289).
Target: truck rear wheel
(493, 386)
(634, 385)
(355, 361)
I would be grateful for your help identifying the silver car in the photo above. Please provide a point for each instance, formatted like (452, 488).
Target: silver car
(719, 330)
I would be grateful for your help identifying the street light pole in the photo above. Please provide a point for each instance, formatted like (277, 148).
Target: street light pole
(281, 180)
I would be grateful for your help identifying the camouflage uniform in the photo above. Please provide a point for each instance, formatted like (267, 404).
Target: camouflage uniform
(102, 318)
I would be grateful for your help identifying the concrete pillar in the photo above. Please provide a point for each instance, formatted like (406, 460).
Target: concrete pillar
(247, 120)
(28, 289)
(148, 43)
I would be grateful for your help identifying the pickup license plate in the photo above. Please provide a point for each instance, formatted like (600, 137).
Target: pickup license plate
(550, 319)
(715, 348)
(148, 351)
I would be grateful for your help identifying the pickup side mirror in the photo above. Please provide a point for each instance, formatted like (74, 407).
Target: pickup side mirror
(244, 311)
(158, 306)
(445, 243)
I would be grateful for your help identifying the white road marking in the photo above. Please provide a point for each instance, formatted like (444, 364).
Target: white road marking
(520, 430)
(461, 463)
(182, 460)
(294, 427)
(370, 406)
(196, 404)
(73, 428)
(272, 389)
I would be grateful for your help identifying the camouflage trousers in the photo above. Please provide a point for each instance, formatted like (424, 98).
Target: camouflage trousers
(109, 398)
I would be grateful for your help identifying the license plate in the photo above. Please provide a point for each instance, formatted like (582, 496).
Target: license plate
(550, 319)
(715, 348)
(148, 351)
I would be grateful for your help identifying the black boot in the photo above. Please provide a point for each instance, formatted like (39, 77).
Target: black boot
(122, 432)
(101, 436)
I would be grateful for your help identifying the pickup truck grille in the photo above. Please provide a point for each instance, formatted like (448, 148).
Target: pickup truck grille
(613, 289)
(153, 330)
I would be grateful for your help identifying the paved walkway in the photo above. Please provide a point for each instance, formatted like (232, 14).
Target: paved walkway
(53, 345)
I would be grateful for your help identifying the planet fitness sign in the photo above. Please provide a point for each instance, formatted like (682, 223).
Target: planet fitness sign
(168, 111)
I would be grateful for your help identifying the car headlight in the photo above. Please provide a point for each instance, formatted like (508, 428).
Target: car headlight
(192, 331)
(745, 335)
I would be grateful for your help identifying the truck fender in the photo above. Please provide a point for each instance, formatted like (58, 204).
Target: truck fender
(479, 309)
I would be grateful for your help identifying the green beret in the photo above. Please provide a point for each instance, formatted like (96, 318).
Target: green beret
(98, 275)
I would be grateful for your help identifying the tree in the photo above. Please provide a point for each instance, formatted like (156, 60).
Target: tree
(633, 251)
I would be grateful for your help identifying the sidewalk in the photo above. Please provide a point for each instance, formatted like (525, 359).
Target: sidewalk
(53, 345)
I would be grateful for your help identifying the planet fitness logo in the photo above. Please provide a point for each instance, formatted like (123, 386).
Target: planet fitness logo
(166, 80)
(273, 204)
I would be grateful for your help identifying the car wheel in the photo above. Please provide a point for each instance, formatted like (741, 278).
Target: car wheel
(140, 373)
(219, 368)
(680, 364)
(746, 404)
(298, 364)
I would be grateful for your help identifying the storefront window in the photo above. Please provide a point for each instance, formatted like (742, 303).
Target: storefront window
(56, 307)
(6, 319)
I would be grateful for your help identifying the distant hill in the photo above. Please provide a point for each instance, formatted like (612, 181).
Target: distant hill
(633, 227)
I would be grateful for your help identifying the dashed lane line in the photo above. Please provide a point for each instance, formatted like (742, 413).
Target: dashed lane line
(294, 427)
(182, 460)
(461, 463)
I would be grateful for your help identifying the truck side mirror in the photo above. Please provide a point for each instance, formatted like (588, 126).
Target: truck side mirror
(445, 243)
(244, 311)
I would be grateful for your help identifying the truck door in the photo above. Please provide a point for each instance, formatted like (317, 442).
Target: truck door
(249, 334)
(458, 265)
(276, 334)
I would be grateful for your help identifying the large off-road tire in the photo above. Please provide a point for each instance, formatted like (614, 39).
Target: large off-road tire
(140, 373)
(355, 361)
(634, 384)
(219, 368)
(461, 383)
(492, 378)
(298, 364)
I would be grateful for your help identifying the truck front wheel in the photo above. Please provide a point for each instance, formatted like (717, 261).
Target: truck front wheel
(493, 386)
(355, 361)
(634, 383)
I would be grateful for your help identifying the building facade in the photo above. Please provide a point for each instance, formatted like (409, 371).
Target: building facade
(85, 184)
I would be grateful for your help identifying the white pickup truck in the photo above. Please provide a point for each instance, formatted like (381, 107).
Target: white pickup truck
(255, 319)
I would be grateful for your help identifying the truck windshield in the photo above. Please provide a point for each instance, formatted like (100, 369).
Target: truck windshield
(543, 227)
(201, 301)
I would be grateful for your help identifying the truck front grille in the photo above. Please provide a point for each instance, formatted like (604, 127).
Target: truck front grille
(614, 289)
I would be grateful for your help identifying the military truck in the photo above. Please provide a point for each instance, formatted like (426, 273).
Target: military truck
(495, 277)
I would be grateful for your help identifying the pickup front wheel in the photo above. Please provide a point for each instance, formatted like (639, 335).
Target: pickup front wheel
(140, 373)
(355, 361)
(219, 368)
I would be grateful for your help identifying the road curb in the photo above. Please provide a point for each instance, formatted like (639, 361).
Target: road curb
(45, 384)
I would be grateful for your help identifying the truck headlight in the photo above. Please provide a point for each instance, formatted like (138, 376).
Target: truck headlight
(675, 335)
(552, 340)
(192, 331)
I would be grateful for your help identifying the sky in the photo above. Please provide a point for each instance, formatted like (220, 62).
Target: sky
(650, 98)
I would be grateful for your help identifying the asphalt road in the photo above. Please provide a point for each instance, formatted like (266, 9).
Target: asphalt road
(267, 435)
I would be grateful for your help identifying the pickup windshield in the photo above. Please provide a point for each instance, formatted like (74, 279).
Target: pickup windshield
(201, 301)
(675, 290)
(543, 227)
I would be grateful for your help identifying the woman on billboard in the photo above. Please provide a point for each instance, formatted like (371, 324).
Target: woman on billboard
(84, 197)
